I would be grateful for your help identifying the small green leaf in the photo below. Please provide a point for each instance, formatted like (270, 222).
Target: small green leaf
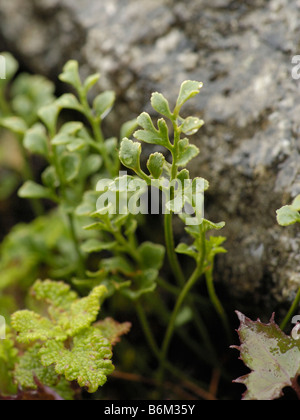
(49, 115)
(287, 216)
(61, 139)
(91, 81)
(156, 164)
(143, 283)
(161, 105)
(188, 90)
(11, 67)
(113, 330)
(213, 247)
(69, 101)
(128, 129)
(104, 103)
(70, 164)
(76, 145)
(93, 164)
(207, 225)
(29, 94)
(70, 74)
(50, 178)
(130, 154)
(187, 152)
(152, 255)
(36, 140)
(88, 204)
(184, 317)
(187, 250)
(111, 146)
(71, 128)
(93, 245)
(32, 190)
(183, 175)
(150, 134)
(8, 185)
(118, 265)
(15, 124)
(191, 126)
(296, 203)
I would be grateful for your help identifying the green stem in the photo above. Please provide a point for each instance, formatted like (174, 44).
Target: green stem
(95, 124)
(81, 262)
(168, 223)
(291, 312)
(100, 139)
(154, 347)
(36, 205)
(54, 160)
(172, 324)
(176, 292)
(4, 105)
(217, 303)
(170, 246)
(147, 330)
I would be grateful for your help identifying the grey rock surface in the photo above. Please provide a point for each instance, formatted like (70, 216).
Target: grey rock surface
(242, 51)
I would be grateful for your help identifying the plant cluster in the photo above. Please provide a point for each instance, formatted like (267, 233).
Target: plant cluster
(93, 254)
(88, 238)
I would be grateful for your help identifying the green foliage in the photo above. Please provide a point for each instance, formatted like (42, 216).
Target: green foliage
(8, 358)
(64, 342)
(93, 238)
(289, 215)
(21, 98)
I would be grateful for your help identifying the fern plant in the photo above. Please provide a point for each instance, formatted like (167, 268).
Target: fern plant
(89, 243)
(167, 177)
(21, 98)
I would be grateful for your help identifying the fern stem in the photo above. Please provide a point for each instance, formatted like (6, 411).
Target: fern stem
(168, 222)
(28, 175)
(156, 352)
(170, 246)
(217, 303)
(95, 124)
(205, 352)
(147, 330)
(171, 328)
(81, 262)
(4, 105)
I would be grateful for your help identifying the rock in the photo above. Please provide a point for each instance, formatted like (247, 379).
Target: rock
(242, 52)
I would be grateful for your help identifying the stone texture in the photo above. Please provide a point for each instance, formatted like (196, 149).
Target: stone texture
(241, 50)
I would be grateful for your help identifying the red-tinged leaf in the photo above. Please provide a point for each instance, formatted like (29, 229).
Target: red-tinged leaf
(272, 356)
(113, 330)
